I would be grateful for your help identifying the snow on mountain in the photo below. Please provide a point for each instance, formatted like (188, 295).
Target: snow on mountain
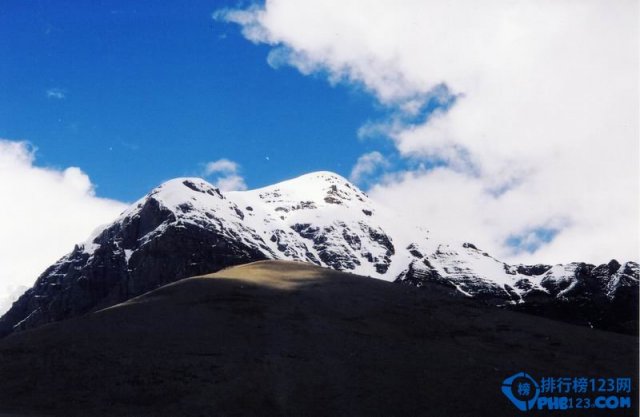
(319, 218)
(188, 227)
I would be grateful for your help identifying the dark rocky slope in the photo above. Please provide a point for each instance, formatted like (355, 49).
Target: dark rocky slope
(287, 339)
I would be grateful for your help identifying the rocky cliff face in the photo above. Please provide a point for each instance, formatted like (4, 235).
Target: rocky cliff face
(187, 227)
(604, 296)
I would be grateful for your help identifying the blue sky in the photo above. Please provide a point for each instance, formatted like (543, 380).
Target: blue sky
(135, 93)
(479, 123)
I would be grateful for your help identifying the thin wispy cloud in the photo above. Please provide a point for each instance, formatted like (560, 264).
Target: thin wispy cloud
(542, 130)
(367, 165)
(56, 93)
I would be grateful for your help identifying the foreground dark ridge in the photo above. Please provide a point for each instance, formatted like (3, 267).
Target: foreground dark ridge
(279, 338)
(187, 227)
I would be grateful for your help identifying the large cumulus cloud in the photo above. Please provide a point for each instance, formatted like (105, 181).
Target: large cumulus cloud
(535, 154)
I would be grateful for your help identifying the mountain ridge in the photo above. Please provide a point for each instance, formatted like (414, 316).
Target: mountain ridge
(187, 227)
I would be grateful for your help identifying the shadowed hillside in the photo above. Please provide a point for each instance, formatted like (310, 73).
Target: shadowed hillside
(277, 338)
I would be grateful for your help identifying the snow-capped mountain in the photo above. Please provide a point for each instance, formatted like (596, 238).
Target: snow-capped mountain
(187, 227)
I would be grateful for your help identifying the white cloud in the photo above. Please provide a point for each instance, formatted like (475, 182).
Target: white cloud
(223, 166)
(44, 212)
(231, 183)
(56, 93)
(366, 165)
(226, 175)
(544, 130)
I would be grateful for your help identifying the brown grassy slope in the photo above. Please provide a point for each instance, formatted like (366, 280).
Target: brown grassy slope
(277, 338)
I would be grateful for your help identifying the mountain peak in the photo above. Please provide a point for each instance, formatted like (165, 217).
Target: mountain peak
(327, 176)
(321, 187)
(186, 185)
